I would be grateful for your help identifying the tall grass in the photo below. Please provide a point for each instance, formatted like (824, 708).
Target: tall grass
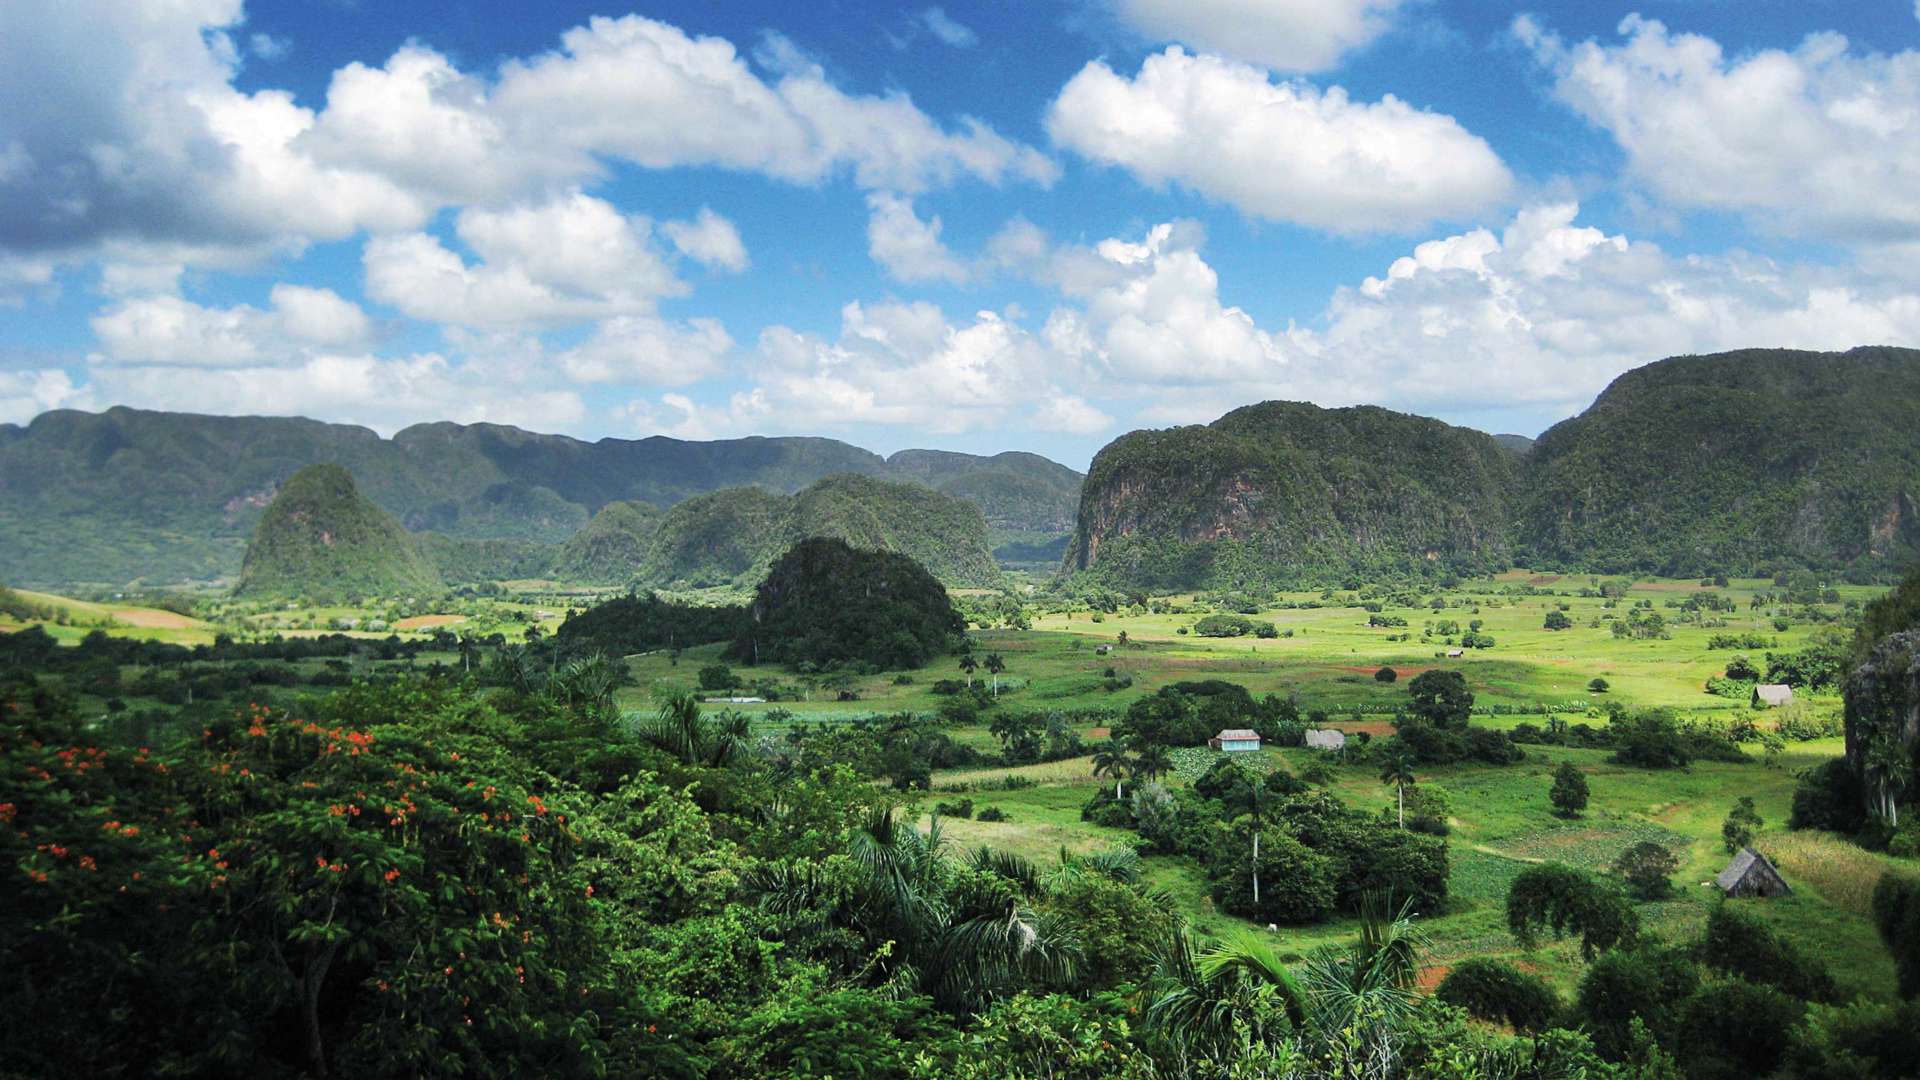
(1842, 872)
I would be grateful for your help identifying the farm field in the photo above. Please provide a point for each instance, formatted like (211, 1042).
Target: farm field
(1330, 658)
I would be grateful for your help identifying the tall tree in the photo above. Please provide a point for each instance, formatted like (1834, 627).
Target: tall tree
(1111, 760)
(1397, 770)
(995, 665)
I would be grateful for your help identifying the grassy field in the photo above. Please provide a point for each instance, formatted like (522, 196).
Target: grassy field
(1501, 822)
(1331, 656)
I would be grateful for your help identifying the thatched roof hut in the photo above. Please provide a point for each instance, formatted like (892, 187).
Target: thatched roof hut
(1773, 695)
(1751, 874)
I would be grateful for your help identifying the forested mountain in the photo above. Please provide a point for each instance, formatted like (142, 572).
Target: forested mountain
(1017, 492)
(611, 547)
(1286, 491)
(1743, 463)
(321, 540)
(129, 495)
(732, 536)
(1734, 463)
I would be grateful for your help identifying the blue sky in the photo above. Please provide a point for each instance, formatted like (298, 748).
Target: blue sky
(978, 226)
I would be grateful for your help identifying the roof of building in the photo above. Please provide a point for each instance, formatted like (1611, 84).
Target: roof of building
(1774, 693)
(1742, 865)
(1238, 734)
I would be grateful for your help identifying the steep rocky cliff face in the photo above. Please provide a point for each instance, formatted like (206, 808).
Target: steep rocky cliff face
(1286, 492)
(1735, 463)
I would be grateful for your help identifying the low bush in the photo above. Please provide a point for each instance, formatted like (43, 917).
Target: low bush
(1498, 992)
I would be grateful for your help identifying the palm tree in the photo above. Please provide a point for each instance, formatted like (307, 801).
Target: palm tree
(1370, 986)
(587, 684)
(1152, 762)
(1204, 996)
(1345, 1002)
(961, 946)
(679, 730)
(969, 665)
(995, 665)
(1891, 767)
(469, 650)
(1111, 760)
(1397, 770)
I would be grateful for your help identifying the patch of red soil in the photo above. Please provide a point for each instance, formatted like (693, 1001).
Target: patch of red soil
(1378, 729)
(1544, 579)
(1100, 733)
(1431, 977)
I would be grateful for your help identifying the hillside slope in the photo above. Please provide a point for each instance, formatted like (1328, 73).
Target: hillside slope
(1288, 492)
(1734, 463)
(732, 536)
(131, 495)
(611, 548)
(321, 540)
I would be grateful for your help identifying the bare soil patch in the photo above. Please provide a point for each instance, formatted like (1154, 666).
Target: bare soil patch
(427, 622)
(154, 619)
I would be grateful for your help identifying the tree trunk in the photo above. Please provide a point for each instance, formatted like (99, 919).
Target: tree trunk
(1256, 867)
(310, 982)
(1401, 790)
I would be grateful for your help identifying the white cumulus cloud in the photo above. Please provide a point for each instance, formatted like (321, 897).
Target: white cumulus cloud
(1285, 35)
(1819, 139)
(906, 245)
(708, 239)
(166, 329)
(574, 259)
(1284, 151)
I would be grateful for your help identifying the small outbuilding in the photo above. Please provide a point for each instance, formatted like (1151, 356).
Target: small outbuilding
(1326, 739)
(1751, 874)
(1772, 695)
(1455, 654)
(1236, 740)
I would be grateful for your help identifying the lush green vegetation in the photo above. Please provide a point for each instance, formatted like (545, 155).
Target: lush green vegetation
(130, 495)
(320, 540)
(826, 604)
(1285, 493)
(1742, 463)
(1733, 463)
(772, 894)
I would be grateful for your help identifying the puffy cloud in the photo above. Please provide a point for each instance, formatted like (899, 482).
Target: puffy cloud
(1284, 151)
(570, 260)
(1290, 35)
(708, 239)
(172, 331)
(1548, 311)
(1818, 139)
(1068, 413)
(645, 349)
(122, 124)
(1152, 315)
(645, 91)
(942, 26)
(385, 394)
(26, 394)
(898, 364)
(908, 247)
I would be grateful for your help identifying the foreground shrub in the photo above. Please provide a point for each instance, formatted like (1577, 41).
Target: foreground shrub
(1647, 984)
(1829, 796)
(1567, 901)
(1736, 1030)
(1499, 992)
(1648, 869)
(1896, 914)
(1738, 943)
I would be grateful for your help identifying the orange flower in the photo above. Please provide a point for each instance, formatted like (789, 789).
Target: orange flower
(391, 874)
